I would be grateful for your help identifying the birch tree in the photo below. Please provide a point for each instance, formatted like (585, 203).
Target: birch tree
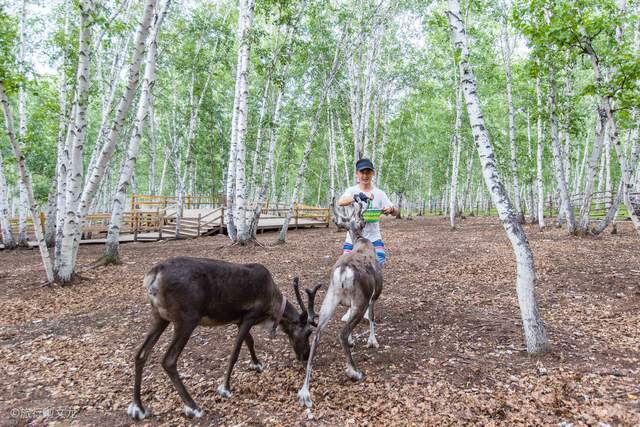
(26, 181)
(112, 255)
(22, 123)
(534, 330)
(8, 240)
(455, 155)
(309, 142)
(65, 264)
(539, 156)
(506, 55)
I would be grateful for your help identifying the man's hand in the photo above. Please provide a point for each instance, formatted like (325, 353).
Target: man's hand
(389, 210)
(365, 197)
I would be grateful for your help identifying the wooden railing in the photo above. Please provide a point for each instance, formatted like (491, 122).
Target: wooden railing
(147, 221)
(189, 201)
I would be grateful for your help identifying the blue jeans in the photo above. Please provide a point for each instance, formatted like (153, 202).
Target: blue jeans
(378, 245)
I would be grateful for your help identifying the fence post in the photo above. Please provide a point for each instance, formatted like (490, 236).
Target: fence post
(133, 202)
(221, 219)
(328, 217)
(160, 223)
(42, 220)
(296, 210)
(134, 219)
(199, 218)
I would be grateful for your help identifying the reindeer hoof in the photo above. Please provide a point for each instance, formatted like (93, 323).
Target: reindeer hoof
(136, 412)
(258, 367)
(223, 391)
(304, 397)
(354, 374)
(193, 412)
(372, 342)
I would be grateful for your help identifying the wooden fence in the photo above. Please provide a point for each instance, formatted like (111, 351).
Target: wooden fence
(162, 221)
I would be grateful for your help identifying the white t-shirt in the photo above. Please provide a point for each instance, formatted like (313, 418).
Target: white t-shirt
(380, 201)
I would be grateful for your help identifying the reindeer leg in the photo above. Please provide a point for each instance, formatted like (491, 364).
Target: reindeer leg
(136, 410)
(352, 370)
(182, 333)
(331, 301)
(372, 341)
(255, 363)
(224, 390)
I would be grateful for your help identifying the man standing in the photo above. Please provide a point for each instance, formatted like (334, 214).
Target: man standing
(377, 199)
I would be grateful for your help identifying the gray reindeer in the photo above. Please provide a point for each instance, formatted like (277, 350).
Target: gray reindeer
(356, 282)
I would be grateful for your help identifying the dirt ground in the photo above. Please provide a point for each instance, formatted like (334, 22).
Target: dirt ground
(451, 342)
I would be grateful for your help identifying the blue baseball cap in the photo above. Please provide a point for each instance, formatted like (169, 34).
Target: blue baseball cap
(363, 164)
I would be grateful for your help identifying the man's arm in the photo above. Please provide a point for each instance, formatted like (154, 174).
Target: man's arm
(388, 207)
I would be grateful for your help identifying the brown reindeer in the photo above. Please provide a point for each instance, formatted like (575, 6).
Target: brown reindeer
(195, 291)
(356, 282)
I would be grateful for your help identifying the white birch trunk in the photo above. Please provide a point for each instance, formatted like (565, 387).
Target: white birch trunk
(455, 158)
(8, 240)
(534, 330)
(531, 208)
(625, 171)
(243, 230)
(333, 160)
(26, 180)
(258, 148)
(539, 152)
(70, 234)
(267, 173)
(467, 187)
(558, 160)
(591, 172)
(112, 254)
(133, 76)
(233, 144)
(613, 209)
(506, 53)
(23, 205)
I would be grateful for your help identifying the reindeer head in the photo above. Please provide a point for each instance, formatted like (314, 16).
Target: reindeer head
(354, 221)
(301, 329)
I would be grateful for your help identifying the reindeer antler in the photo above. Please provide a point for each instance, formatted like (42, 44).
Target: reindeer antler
(311, 296)
(296, 288)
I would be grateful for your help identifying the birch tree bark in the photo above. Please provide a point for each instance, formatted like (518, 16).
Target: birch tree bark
(613, 209)
(8, 240)
(23, 240)
(558, 161)
(626, 172)
(26, 180)
(455, 158)
(242, 81)
(65, 265)
(96, 174)
(534, 330)
(467, 186)
(267, 173)
(531, 208)
(112, 254)
(506, 54)
(78, 209)
(591, 171)
(539, 153)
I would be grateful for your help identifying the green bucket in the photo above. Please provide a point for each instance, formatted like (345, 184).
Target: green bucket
(372, 215)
